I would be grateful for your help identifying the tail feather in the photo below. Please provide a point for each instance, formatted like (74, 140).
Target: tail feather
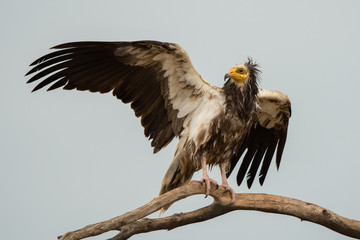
(177, 175)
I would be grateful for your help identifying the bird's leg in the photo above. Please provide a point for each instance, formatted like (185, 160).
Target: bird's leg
(205, 178)
(225, 183)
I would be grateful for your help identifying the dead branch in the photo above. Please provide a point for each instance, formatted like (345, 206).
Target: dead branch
(133, 222)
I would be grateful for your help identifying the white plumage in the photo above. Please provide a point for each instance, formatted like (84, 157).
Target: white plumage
(214, 125)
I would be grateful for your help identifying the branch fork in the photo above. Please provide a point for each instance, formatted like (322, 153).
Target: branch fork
(134, 222)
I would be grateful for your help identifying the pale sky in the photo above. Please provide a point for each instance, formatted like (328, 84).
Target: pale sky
(69, 159)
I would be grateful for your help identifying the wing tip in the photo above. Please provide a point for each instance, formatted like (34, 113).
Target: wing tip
(250, 181)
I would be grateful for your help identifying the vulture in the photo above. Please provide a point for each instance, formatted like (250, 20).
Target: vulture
(214, 125)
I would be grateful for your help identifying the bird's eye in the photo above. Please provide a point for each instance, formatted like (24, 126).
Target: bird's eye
(240, 70)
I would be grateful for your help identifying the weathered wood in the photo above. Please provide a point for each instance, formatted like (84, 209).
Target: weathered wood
(133, 222)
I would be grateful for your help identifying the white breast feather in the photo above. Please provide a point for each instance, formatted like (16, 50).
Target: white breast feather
(200, 119)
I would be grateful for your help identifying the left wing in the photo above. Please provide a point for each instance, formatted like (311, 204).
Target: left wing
(267, 134)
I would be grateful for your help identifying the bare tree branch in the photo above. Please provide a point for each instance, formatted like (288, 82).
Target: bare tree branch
(133, 222)
(171, 222)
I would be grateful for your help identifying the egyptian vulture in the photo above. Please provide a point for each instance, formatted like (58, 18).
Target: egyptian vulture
(214, 125)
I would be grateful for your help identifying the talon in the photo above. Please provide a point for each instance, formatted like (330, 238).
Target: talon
(205, 178)
(217, 186)
(208, 182)
(225, 184)
(232, 193)
(233, 196)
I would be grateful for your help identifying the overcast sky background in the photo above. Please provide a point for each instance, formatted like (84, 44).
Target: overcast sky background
(71, 158)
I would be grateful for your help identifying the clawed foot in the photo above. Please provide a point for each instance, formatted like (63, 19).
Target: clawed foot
(208, 181)
(229, 189)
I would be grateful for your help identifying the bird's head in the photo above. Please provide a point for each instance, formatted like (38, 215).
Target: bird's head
(239, 74)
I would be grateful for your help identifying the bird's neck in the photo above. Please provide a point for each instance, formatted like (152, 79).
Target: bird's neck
(241, 99)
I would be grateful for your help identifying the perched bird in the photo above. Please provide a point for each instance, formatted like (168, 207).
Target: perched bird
(214, 125)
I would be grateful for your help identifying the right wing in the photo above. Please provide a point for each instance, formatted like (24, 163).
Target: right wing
(157, 78)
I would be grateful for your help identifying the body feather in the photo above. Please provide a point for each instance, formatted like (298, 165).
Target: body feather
(163, 88)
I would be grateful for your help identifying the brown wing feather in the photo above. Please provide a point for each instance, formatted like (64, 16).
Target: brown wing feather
(136, 72)
(267, 134)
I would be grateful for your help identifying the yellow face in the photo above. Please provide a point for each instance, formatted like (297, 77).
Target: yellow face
(239, 74)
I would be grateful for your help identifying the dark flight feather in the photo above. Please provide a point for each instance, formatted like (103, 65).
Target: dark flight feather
(159, 82)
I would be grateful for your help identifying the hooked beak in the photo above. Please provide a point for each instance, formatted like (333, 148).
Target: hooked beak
(226, 77)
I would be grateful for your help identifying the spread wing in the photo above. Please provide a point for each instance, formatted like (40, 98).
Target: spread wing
(157, 78)
(267, 134)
